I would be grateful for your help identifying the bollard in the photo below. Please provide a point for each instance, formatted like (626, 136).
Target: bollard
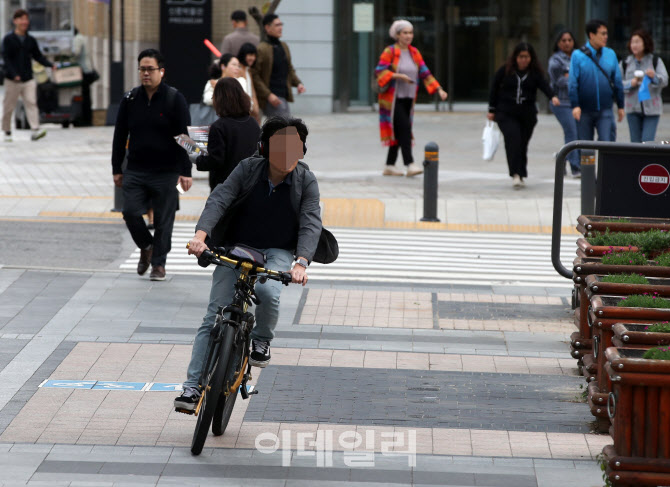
(430, 180)
(588, 183)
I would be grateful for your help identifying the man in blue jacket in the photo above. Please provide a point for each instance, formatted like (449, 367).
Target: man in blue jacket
(594, 84)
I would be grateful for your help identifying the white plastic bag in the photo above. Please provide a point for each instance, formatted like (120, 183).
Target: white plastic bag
(490, 140)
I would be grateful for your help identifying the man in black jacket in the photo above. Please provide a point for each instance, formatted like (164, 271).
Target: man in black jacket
(149, 118)
(18, 49)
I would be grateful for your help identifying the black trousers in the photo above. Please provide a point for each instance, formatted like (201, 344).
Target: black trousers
(517, 129)
(158, 190)
(402, 130)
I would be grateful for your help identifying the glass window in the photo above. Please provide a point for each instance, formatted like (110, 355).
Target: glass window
(50, 15)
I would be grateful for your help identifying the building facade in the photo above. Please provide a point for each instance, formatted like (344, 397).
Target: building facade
(335, 44)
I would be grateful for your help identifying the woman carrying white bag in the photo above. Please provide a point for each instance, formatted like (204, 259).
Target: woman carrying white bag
(490, 140)
(512, 106)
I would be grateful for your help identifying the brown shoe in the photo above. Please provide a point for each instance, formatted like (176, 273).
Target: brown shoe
(157, 273)
(145, 260)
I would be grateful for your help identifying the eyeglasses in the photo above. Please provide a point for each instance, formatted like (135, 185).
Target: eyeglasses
(149, 69)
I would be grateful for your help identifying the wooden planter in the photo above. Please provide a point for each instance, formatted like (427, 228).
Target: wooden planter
(584, 248)
(587, 224)
(632, 335)
(639, 407)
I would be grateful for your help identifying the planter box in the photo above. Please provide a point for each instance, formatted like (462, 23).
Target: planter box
(585, 266)
(639, 407)
(589, 250)
(595, 285)
(633, 335)
(587, 224)
(605, 307)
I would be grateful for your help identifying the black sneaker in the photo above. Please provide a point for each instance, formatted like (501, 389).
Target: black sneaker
(188, 400)
(260, 353)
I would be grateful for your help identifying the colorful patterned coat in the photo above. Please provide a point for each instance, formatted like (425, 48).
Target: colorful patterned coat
(388, 65)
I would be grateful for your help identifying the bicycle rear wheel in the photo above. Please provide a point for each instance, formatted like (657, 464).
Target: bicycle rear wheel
(225, 404)
(212, 391)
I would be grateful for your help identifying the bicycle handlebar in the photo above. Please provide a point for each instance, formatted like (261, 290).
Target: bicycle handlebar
(216, 259)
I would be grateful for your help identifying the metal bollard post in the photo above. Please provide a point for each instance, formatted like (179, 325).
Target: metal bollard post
(430, 180)
(588, 183)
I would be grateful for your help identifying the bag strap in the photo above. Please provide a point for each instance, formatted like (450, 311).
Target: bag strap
(587, 51)
(654, 61)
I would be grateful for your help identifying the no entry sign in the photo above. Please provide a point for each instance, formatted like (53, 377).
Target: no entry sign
(654, 179)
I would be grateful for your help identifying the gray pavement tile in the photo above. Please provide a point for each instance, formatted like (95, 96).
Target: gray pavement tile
(152, 450)
(318, 473)
(466, 460)
(381, 475)
(58, 466)
(441, 478)
(126, 468)
(73, 450)
(497, 480)
(31, 448)
(559, 477)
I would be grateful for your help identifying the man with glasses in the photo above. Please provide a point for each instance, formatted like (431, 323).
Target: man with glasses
(273, 73)
(149, 118)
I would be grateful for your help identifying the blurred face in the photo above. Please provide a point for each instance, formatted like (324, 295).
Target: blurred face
(275, 28)
(523, 60)
(599, 39)
(566, 43)
(637, 45)
(21, 23)
(250, 59)
(405, 37)
(150, 74)
(233, 69)
(285, 150)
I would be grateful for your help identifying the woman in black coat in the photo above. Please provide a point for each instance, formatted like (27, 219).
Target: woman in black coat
(233, 136)
(512, 106)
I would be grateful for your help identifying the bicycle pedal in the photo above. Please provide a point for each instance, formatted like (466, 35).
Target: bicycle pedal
(184, 411)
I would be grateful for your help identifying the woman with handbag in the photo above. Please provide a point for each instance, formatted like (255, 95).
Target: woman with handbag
(400, 69)
(512, 106)
(232, 137)
(644, 77)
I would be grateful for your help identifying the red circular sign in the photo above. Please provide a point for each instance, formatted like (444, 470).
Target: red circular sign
(654, 179)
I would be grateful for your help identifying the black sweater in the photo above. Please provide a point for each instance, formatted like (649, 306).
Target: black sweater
(18, 55)
(516, 92)
(150, 127)
(230, 141)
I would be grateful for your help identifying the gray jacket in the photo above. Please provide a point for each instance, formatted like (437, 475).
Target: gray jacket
(654, 105)
(227, 196)
(559, 65)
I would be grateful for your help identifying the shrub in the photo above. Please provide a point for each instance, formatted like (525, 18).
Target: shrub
(659, 327)
(644, 301)
(625, 257)
(658, 353)
(663, 260)
(653, 241)
(614, 239)
(617, 220)
(625, 279)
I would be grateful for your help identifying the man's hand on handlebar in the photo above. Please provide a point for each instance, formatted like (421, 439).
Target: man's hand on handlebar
(298, 274)
(196, 246)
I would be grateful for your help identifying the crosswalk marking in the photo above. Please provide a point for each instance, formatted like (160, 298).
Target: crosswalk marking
(415, 257)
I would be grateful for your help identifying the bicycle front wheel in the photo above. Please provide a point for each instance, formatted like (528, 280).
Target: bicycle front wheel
(212, 391)
(225, 404)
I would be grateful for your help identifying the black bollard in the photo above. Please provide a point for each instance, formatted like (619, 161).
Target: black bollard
(588, 183)
(430, 180)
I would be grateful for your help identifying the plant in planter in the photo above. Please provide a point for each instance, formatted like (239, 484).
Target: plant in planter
(625, 257)
(644, 301)
(625, 279)
(614, 239)
(658, 353)
(663, 260)
(617, 220)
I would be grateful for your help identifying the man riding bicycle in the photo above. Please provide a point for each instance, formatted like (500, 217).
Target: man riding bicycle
(270, 203)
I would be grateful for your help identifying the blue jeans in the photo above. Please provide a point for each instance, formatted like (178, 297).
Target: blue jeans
(602, 121)
(642, 127)
(223, 290)
(281, 110)
(569, 124)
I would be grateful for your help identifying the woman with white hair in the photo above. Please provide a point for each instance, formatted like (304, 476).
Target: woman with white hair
(399, 70)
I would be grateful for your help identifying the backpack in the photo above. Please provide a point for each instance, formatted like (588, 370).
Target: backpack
(654, 62)
(171, 96)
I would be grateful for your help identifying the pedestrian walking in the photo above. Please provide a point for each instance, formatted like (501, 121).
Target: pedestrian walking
(273, 74)
(398, 72)
(512, 106)
(215, 74)
(559, 73)
(90, 76)
(595, 84)
(232, 137)
(644, 76)
(18, 49)
(247, 58)
(240, 35)
(269, 202)
(149, 118)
